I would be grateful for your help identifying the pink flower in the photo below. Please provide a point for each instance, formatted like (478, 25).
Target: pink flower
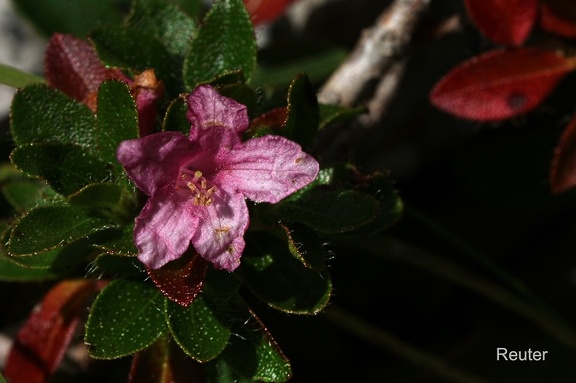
(198, 184)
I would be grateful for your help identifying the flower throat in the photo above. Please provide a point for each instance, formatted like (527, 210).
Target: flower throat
(196, 184)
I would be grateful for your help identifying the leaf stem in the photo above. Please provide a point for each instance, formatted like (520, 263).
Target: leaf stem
(16, 78)
(395, 345)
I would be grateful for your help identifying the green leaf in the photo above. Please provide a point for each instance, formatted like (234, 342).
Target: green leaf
(60, 258)
(115, 265)
(132, 49)
(117, 120)
(165, 21)
(16, 78)
(2, 380)
(270, 271)
(126, 317)
(119, 242)
(73, 17)
(334, 114)
(318, 67)
(331, 210)
(198, 329)
(304, 245)
(252, 354)
(50, 227)
(391, 206)
(175, 118)
(242, 93)
(303, 116)
(43, 114)
(66, 167)
(12, 272)
(225, 42)
(193, 8)
(98, 195)
(26, 194)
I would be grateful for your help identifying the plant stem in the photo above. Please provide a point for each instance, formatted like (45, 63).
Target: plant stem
(391, 343)
(532, 309)
(467, 249)
(16, 78)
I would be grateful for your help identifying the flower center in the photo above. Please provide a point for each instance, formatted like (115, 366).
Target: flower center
(196, 184)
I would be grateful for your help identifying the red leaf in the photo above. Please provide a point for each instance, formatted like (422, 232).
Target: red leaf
(500, 84)
(164, 362)
(272, 119)
(563, 169)
(42, 341)
(181, 280)
(73, 67)
(559, 17)
(506, 22)
(263, 11)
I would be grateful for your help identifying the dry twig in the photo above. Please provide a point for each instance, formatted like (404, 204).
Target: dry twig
(380, 50)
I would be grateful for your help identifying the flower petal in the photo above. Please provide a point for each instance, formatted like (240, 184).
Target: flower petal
(164, 228)
(267, 169)
(153, 162)
(219, 236)
(207, 109)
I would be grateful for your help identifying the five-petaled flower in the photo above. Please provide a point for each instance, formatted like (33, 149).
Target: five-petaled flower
(198, 184)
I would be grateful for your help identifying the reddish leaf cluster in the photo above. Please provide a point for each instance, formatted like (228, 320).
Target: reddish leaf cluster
(73, 67)
(43, 340)
(508, 82)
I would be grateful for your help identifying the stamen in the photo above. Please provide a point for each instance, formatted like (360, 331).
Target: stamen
(197, 186)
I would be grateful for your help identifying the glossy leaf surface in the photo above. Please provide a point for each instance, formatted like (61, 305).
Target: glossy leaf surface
(165, 21)
(500, 84)
(77, 18)
(42, 341)
(506, 22)
(127, 316)
(199, 329)
(26, 194)
(225, 42)
(42, 114)
(117, 120)
(66, 167)
(303, 116)
(252, 355)
(12, 272)
(60, 258)
(137, 51)
(46, 228)
(269, 270)
(98, 195)
(331, 210)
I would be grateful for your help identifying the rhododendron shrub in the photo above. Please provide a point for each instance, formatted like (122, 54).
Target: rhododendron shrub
(163, 192)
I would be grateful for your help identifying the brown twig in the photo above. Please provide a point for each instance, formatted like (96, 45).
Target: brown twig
(381, 49)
